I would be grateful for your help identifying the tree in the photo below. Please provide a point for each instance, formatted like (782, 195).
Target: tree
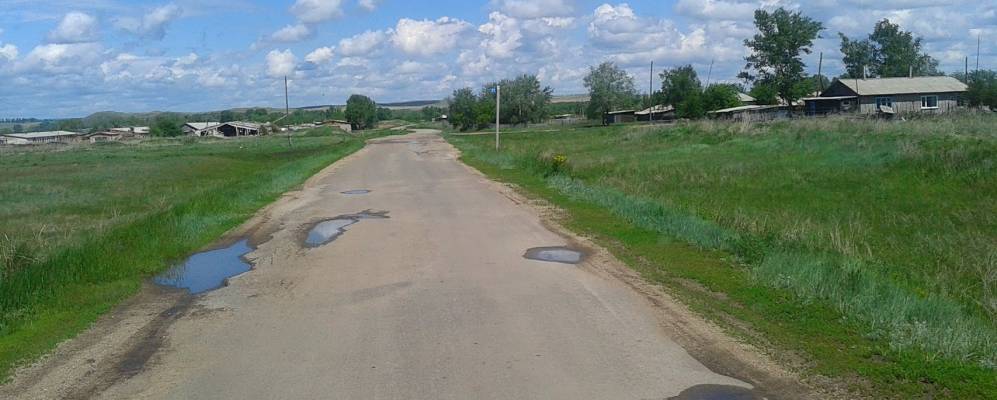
(776, 50)
(679, 84)
(361, 112)
(764, 94)
(718, 97)
(982, 91)
(524, 100)
(430, 113)
(166, 127)
(226, 116)
(610, 88)
(888, 52)
(462, 109)
(383, 113)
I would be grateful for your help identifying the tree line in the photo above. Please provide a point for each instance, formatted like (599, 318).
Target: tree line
(524, 100)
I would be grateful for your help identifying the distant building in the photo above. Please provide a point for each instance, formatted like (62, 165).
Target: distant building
(656, 113)
(925, 94)
(103, 137)
(201, 128)
(751, 113)
(620, 117)
(40, 137)
(131, 130)
(238, 128)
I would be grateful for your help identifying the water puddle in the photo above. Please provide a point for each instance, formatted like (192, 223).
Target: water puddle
(558, 254)
(207, 270)
(716, 392)
(356, 192)
(326, 231)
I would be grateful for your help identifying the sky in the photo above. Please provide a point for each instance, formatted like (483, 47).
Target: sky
(70, 58)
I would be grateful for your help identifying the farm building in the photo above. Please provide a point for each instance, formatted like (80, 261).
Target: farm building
(925, 94)
(746, 99)
(751, 113)
(656, 113)
(132, 130)
(236, 128)
(200, 128)
(103, 137)
(620, 117)
(40, 137)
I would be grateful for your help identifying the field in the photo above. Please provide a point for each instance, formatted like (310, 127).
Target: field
(83, 227)
(864, 251)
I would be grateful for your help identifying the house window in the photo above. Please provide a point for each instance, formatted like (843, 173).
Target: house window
(884, 101)
(929, 102)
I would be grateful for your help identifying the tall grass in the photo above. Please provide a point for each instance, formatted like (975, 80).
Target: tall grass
(893, 223)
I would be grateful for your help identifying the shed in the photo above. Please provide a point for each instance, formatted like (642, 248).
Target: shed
(657, 113)
(238, 128)
(752, 113)
(921, 94)
(201, 128)
(41, 137)
(620, 117)
(103, 137)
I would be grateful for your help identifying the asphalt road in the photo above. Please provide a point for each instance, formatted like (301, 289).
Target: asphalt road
(434, 302)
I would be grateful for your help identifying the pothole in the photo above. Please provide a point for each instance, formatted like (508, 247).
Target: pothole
(559, 254)
(207, 270)
(324, 232)
(716, 392)
(355, 192)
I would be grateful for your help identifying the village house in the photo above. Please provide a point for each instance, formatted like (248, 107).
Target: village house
(40, 137)
(923, 94)
(200, 128)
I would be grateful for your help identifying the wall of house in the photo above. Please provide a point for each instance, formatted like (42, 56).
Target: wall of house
(911, 103)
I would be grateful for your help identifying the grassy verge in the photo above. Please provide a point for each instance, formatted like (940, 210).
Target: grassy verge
(82, 228)
(865, 247)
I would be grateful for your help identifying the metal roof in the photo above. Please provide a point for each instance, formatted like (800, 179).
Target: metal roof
(621, 112)
(36, 135)
(744, 108)
(202, 125)
(918, 84)
(829, 98)
(240, 124)
(656, 109)
(744, 97)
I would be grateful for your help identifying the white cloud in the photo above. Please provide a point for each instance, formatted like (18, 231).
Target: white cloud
(292, 33)
(315, 11)
(152, 25)
(362, 44)
(75, 27)
(63, 57)
(502, 35)
(280, 63)
(426, 37)
(535, 8)
(717, 9)
(8, 52)
(320, 55)
(369, 5)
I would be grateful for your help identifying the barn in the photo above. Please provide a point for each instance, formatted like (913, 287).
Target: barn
(922, 94)
(233, 129)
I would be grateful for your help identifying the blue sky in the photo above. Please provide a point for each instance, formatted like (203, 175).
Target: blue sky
(68, 58)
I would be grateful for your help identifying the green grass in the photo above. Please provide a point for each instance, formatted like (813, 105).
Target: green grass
(867, 247)
(83, 227)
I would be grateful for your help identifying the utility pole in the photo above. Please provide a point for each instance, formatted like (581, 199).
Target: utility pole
(650, 86)
(820, 79)
(965, 74)
(287, 111)
(978, 52)
(498, 114)
(709, 75)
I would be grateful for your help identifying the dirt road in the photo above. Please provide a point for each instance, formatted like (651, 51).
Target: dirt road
(436, 301)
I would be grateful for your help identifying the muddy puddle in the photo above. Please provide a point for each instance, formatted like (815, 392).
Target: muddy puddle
(356, 192)
(558, 254)
(324, 232)
(716, 392)
(207, 270)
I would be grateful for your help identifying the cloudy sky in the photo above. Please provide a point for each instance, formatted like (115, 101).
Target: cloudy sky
(68, 58)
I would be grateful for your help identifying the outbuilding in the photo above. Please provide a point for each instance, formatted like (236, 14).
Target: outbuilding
(237, 128)
(620, 117)
(922, 94)
(41, 137)
(201, 128)
(98, 137)
(657, 113)
(752, 113)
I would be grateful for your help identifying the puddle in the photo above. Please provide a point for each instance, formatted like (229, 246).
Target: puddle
(356, 192)
(555, 254)
(716, 392)
(207, 270)
(326, 231)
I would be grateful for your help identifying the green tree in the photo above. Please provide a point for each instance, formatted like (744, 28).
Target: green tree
(888, 52)
(462, 109)
(524, 100)
(764, 94)
(361, 112)
(776, 51)
(679, 84)
(226, 116)
(610, 88)
(430, 113)
(166, 126)
(720, 96)
(982, 91)
(383, 113)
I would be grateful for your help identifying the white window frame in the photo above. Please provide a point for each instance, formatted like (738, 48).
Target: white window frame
(924, 102)
(884, 101)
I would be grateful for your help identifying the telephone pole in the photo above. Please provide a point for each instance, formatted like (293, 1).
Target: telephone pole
(287, 111)
(498, 114)
(650, 86)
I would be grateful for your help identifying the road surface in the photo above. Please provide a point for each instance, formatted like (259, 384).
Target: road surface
(434, 302)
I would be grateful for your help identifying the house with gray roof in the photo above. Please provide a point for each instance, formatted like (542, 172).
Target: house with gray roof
(922, 94)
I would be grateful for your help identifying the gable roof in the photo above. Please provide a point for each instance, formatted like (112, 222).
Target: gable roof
(35, 135)
(744, 97)
(658, 109)
(920, 84)
(202, 125)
